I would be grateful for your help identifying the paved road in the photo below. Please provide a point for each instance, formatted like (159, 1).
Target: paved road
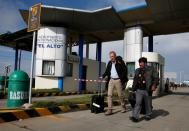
(170, 113)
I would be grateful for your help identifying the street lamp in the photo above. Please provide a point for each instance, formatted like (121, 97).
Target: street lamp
(7, 70)
(181, 77)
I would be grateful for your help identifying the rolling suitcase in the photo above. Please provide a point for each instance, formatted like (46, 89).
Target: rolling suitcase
(132, 101)
(97, 101)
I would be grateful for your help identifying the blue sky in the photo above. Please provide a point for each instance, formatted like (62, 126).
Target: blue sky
(173, 47)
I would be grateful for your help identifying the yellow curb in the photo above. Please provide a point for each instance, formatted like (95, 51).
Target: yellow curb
(2, 111)
(21, 114)
(60, 94)
(1, 120)
(64, 108)
(43, 111)
(82, 106)
(53, 94)
(46, 94)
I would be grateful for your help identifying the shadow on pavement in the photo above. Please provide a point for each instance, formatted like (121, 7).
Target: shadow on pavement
(180, 93)
(159, 112)
(156, 113)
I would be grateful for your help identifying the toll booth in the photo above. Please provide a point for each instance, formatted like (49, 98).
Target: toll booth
(157, 61)
(56, 68)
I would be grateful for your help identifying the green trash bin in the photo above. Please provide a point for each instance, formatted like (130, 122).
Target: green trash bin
(2, 82)
(18, 89)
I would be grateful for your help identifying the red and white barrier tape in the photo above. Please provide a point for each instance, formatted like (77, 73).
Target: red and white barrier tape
(99, 81)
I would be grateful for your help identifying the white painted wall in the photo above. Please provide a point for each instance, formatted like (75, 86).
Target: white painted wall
(154, 57)
(69, 84)
(46, 82)
(92, 73)
(51, 46)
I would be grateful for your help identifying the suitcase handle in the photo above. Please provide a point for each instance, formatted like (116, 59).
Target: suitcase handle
(100, 86)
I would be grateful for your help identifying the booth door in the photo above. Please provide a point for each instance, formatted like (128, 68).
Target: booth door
(84, 76)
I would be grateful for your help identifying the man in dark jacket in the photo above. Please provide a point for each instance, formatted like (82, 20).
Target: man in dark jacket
(116, 74)
(145, 80)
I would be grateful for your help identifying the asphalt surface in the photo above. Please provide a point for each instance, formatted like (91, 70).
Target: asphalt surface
(171, 113)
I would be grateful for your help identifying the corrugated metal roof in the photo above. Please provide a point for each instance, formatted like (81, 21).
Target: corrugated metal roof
(156, 18)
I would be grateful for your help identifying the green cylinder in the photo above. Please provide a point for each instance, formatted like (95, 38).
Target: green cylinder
(2, 82)
(18, 89)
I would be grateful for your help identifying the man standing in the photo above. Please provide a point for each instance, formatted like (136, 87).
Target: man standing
(145, 80)
(116, 73)
(167, 85)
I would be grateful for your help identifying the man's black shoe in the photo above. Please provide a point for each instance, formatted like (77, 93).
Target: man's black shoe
(133, 119)
(147, 118)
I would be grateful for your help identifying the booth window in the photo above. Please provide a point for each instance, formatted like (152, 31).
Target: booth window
(69, 70)
(48, 68)
(131, 69)
(154, 65)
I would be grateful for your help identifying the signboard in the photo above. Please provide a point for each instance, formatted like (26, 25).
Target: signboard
(34, 17)
(51, 43)
(18, 95)
(72, 58)
(51, 47)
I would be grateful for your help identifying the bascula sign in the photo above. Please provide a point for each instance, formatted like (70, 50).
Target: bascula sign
(50, 46)
(18, 95)
(34, 17)
(50, 42)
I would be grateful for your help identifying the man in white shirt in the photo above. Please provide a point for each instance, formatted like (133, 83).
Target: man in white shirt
(116, 72)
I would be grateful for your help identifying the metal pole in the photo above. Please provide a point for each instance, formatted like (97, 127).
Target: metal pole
(180, 78)
(99, 56)
(16, 58)
(7, 70)
(31, 71)
(81, 42)
(150, 43)
(19, 60)
(87, 51)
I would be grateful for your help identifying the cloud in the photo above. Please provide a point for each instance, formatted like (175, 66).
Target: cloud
(117, 4)
(20, 4)
(125, 4)
(170, 44)
(4, 49)
(10, 17)
(173, 47)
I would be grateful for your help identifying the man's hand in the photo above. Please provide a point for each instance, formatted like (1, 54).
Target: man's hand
(153, 88)
(100, 77)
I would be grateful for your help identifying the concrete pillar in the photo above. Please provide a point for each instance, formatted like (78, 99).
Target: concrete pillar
(87, 51)
(16, 58)
(81, 43)
(51, 47)
(150, 43)
(133, 43)
(70, 48)
(60, 83)
(99, 56)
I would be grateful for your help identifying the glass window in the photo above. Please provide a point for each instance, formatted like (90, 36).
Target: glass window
(69, 70)
(131, 69)
(154, 65)
(48, 68)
